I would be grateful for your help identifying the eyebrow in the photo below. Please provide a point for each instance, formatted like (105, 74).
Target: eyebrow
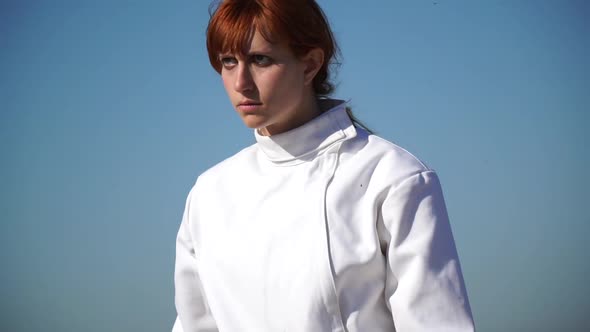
(263, 51)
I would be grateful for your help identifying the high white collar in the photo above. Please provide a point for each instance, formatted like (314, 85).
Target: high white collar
(305, 142)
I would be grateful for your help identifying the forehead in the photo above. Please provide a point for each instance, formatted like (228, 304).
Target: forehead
(255, 40)
(258, 43)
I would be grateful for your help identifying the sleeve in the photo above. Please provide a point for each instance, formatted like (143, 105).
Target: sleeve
(424, 289)
(192, 308)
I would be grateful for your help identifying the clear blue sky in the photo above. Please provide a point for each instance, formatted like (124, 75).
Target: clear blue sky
(109, 110)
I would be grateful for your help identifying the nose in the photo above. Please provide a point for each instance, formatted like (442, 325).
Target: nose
(243, 80)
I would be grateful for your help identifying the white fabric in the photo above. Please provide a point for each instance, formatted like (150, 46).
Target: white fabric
(322, 228)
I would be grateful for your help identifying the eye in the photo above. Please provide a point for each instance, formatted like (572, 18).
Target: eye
(228, 62)
(261, 60)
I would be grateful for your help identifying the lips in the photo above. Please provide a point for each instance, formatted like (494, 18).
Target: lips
(249, 106)
(249, 102)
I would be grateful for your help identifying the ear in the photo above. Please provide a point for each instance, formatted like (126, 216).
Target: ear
(313, 61)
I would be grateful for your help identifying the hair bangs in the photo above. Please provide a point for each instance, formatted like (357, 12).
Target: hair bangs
(233, 26)
(300, 23)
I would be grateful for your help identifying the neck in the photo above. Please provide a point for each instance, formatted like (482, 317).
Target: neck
(307, 111)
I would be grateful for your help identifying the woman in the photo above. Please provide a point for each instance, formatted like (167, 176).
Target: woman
(320, 225)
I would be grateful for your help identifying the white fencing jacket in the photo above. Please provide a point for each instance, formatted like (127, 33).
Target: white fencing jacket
(321, 228)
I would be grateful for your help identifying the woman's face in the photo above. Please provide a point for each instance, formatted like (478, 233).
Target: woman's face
(268, 86)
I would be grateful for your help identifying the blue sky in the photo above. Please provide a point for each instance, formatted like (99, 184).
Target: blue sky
(109, 111)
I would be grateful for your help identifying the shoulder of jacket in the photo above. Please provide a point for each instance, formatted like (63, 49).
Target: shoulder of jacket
(396, 166)
(391, 153)
(227, 165)
(387, 163)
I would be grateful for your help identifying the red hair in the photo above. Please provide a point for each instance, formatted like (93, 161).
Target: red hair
(302, 23)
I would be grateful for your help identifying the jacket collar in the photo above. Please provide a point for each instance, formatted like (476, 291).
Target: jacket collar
(305, 142)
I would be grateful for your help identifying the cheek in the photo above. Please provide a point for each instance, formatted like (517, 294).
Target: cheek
(229, 79)
(291, 87)
(226, 83)
(281, 84)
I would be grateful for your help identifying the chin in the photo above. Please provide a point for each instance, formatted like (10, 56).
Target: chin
(253, 122)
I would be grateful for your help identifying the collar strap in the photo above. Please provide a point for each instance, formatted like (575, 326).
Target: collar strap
(310, 139)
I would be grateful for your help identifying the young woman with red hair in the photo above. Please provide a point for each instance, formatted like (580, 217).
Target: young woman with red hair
(320, 225)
